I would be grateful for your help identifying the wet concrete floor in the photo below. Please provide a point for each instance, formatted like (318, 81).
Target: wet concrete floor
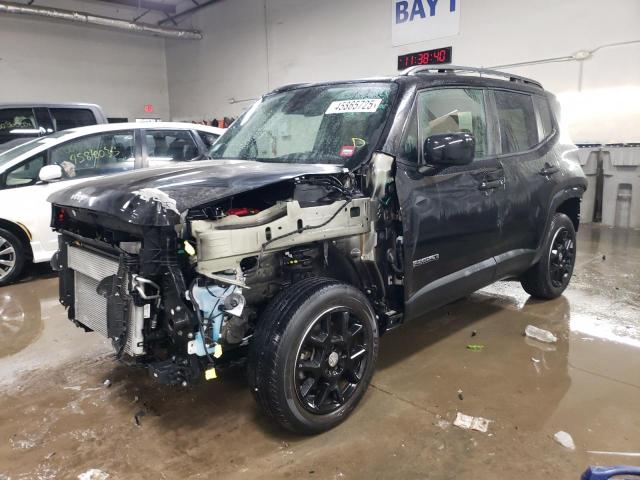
(57, 419)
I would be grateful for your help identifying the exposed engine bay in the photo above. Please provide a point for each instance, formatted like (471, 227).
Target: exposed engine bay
(184, 299)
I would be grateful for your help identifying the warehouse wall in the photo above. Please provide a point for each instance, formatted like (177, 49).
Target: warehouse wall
(252, 46)
(60, 62)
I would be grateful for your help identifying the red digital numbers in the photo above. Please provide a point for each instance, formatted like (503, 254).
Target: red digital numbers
(441, 55)
(427, 57)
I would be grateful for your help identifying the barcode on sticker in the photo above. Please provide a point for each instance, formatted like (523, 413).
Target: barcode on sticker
(364, 105)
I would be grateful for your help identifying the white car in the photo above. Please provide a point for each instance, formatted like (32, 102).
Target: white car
(30, 172)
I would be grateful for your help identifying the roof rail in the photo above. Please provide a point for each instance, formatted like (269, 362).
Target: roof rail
(454, 69)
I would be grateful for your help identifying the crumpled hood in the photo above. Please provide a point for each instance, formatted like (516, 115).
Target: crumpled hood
(158, 196)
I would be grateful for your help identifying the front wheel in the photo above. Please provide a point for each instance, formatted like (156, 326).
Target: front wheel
(12, 257)
(313, 354)
(549, 277)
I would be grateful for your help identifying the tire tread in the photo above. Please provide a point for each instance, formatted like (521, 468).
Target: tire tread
(265, 353)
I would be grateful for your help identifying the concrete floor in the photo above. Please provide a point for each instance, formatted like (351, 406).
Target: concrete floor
(57, 419)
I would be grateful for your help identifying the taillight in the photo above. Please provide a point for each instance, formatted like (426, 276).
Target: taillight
(61, 215)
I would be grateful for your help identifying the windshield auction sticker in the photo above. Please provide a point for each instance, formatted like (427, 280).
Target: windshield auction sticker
(364, 105)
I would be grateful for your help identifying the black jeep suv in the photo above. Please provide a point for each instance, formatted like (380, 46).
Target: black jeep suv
(329, 214)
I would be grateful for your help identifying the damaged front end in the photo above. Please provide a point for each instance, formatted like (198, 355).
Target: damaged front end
(179, 288)
(132, 295)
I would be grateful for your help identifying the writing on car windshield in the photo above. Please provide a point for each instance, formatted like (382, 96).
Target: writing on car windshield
(93, 154)
(98, 154)
(335, 124)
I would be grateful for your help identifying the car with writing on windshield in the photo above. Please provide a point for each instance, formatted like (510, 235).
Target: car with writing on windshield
(30, 172)
(331, 214)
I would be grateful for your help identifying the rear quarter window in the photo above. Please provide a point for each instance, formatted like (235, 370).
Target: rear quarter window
(546, 119)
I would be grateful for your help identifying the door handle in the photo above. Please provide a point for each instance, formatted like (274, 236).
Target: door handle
(548, 170)
(491, 184)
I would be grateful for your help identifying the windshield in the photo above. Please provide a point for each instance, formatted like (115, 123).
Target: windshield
(336, 124)
(15, 152)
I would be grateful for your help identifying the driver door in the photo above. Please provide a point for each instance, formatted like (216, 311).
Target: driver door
(450, 213)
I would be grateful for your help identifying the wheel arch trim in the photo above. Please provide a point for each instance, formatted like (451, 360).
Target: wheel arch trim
(20, 231)
(557, 200)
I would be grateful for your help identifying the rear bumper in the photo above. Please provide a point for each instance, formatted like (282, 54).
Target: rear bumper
(40, 255)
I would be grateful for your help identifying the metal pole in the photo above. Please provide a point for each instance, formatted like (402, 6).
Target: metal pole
(97, 20)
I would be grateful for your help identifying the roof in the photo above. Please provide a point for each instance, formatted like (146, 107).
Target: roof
(109, 127)
(48, 105)
(457, 70)
(429, 75)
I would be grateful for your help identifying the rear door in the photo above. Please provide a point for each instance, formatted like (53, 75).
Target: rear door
(450, 215)
(526, 133)
(162, 147)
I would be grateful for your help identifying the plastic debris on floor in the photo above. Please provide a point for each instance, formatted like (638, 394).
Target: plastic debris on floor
(564, 439)
(540, 334)
(467, 422)
(93, 474)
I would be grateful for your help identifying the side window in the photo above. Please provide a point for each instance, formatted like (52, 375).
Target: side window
(99, 154)
(518, 128)
(165, 146)
(16, 121)
(544, 112)
(25, 173)
(208, 138)
(64, 118)
(453, 110)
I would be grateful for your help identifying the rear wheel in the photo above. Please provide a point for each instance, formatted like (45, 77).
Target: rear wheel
(313, 355)
(12, 257)
(549, 277)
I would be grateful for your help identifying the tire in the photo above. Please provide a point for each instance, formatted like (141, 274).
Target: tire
(313, 354)
(12, 257)
(548, 278)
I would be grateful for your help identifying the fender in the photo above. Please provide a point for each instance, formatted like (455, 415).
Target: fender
(20, 231)
(557, 200)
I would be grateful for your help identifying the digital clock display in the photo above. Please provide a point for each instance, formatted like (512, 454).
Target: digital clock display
(427, 57)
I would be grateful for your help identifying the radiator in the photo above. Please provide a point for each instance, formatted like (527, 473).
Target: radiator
(91, 308)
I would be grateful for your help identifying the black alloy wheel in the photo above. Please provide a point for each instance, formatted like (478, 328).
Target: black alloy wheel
(331, 360)
(313, 354)
(550, 276)
(561, 257)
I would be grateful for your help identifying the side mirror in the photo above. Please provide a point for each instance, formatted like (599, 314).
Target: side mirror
(449, 149)
(50, 173)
